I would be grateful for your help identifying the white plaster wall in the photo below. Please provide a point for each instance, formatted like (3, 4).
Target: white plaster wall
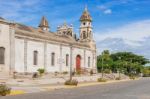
(31, 47)
(53, 48)
(19, 55)
(65, 51)
(5, 42)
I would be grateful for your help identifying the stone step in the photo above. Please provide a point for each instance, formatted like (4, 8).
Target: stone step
(4, 76)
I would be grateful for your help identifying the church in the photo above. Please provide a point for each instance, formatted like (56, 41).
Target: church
(25, 49)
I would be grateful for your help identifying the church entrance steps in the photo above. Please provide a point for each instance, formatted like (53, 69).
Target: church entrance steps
(4, 76)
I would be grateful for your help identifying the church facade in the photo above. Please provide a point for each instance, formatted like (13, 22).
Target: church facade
(25, 49)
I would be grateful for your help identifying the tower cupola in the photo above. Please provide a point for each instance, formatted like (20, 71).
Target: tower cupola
(86, 33)
(44, 24)
(86, 16)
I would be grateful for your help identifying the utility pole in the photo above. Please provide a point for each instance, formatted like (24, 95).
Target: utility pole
(70, 63)
(102, 66)
(119, 68)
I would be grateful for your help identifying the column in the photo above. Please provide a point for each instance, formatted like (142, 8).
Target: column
(84, 58)
(60, 59)
(45, 56)
(12, 49)
(25, 55)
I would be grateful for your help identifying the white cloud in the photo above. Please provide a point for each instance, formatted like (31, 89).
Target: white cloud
(21, 11)
(108, 11)
(131, 33)
(104, 9)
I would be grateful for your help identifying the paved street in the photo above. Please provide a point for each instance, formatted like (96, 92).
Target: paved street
(138, 89)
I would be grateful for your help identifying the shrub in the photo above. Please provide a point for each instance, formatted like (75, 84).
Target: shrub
(91, 72)
(118, 78)
(146, 73)
(71, 82)
(14, 74)
(41, 71)
(73, 73)
(56, 73)
(132, 77)
(107, 71)
(4, 90)
(101, 80)
(65, 72)
(35, 75)
(78, 72)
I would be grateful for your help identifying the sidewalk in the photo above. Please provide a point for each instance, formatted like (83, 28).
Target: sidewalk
(29, 89)
(22, 86)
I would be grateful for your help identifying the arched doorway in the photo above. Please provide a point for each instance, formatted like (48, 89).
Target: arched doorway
(78, 62)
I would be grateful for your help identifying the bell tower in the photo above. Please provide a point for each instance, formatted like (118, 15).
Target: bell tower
(44, 24)
(86, 33)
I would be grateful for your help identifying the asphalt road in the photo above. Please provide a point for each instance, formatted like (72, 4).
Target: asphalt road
(137, 89)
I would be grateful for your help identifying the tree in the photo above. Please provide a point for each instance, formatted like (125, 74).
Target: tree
(134, 63)
(124, 62)
(104, 61)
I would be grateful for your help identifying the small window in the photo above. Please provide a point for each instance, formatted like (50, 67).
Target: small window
(89, 23)
(67, 59)
(88, 61)
(53, 59)
(84, 23)
(35, 57)
(2, 55)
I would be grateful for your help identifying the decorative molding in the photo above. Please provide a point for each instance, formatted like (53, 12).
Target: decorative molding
(52, 42)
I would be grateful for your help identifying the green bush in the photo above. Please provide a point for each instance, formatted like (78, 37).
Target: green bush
(146, 73)
(71, 82)
(132, 77)
(78, 72)
(101, 80)
(118, 78)
(4, 90)
(41, 71)
(56, 73)
(35, 75)
(73, 73)
(107, 71)
(65, 72)
(91, 72)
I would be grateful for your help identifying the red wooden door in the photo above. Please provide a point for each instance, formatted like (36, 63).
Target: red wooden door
(78, 62)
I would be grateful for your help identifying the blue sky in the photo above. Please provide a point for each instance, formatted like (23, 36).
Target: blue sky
(109, 16)
(106, 13)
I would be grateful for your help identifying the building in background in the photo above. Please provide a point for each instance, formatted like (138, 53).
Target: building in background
(25, 49)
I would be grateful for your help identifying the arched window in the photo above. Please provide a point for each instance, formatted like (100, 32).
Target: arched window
(67, 59)
(2, 55)
(89, 61)
(84, 23)
(35, 57)
(53, 59)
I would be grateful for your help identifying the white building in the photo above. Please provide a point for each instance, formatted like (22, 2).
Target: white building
(25, 49)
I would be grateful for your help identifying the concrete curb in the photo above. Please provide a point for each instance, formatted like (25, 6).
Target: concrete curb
(51, 88)
(48, 88)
